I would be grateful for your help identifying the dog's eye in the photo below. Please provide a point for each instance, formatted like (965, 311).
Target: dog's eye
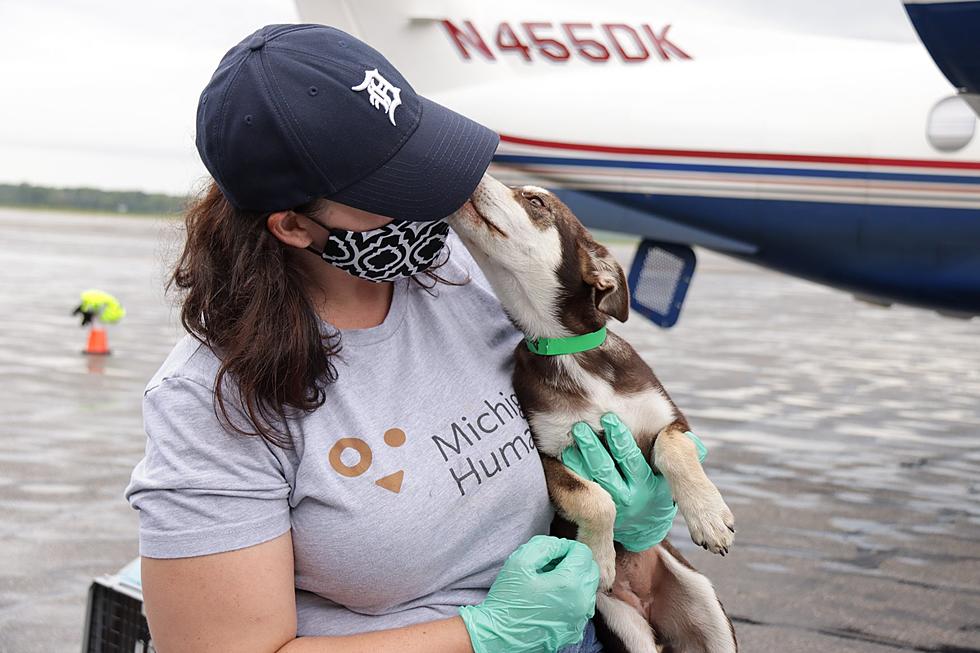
(535, 200)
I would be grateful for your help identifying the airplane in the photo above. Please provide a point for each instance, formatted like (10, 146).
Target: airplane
(843, 156)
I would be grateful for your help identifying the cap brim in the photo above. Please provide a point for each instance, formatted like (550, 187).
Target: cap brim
(433, 173)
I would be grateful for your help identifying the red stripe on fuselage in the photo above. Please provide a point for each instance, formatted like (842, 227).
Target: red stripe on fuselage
(746, 156)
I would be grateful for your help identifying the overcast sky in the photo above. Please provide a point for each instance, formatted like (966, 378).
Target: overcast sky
(104, 92)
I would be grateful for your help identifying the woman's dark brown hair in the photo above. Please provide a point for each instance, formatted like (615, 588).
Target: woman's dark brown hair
(244, 296)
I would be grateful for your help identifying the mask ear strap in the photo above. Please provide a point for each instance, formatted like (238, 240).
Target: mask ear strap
(316, 222)
(310, 247)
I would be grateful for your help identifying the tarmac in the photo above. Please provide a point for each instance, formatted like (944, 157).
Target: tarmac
(844, 436)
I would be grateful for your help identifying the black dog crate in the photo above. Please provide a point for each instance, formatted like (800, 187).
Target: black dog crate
(114, 621)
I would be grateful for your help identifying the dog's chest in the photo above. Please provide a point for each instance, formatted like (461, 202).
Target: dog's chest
(647, 411)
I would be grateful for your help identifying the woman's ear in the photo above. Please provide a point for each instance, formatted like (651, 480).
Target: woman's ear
(289, 227)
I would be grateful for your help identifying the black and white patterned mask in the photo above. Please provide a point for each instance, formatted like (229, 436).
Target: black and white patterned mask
(396, 250)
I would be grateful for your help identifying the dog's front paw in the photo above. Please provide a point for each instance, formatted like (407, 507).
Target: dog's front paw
(607, 570)
(709, 519)
(604, 553)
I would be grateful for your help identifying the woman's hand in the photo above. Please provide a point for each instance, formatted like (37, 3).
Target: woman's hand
(645, 508)
(540, 601)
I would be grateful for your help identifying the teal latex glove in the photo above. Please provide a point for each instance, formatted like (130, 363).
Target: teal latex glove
(645, 508)
(540, 601)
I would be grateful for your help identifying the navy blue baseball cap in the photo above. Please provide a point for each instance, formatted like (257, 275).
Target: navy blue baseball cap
(297, 112)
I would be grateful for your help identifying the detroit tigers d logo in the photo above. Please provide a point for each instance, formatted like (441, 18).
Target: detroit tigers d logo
(383, 94)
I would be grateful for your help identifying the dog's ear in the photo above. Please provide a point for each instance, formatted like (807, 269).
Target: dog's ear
(601, 271)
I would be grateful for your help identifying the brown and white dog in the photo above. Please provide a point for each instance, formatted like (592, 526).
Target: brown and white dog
(554, 280)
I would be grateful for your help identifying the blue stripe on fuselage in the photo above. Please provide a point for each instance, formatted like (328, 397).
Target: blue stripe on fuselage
(916, 255)
(742, 170)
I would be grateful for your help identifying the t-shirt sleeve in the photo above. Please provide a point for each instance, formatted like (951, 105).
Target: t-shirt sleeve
(200, 488)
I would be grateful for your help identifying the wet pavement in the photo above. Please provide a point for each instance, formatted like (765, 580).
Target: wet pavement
(845, 437)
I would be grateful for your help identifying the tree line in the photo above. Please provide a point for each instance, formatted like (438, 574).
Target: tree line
(90, 199)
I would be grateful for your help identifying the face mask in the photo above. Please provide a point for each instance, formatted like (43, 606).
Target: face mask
(394, 251)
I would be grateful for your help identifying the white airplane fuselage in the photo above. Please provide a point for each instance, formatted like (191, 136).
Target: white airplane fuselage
(814, 154)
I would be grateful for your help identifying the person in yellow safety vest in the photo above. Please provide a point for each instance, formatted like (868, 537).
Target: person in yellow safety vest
(99, 305)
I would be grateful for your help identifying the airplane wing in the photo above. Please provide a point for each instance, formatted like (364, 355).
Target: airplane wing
(949, 31)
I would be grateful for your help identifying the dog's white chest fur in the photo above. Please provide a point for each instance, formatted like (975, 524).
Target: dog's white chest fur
(551, 429)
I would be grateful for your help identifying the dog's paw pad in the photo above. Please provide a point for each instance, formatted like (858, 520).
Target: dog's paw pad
(711, 523)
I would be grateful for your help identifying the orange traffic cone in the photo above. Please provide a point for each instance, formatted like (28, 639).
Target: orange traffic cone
(98, 342)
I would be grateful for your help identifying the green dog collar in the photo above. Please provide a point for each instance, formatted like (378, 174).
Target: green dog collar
(569, 345)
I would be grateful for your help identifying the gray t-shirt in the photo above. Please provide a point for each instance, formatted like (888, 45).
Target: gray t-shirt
(407, 489)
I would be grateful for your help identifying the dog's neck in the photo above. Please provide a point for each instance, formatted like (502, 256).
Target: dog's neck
(567, 345)
(558, 323)
(545, 309)
(572, 316)
(582, 330)
(570, 373)
(527, 305)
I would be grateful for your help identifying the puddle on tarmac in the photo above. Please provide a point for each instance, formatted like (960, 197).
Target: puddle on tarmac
(845, 437)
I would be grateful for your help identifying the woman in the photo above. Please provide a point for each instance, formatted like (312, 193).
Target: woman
(335, 458)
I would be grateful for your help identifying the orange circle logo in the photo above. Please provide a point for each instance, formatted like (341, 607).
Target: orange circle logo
(358, 445)
(394, 437)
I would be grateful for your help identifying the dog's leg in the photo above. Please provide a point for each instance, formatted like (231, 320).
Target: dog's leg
(632, 632)
(684, 609)
(659, 597)
(589, 507)
(708, 517)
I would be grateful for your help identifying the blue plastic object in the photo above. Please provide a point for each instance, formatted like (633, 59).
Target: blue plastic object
(658, 280)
